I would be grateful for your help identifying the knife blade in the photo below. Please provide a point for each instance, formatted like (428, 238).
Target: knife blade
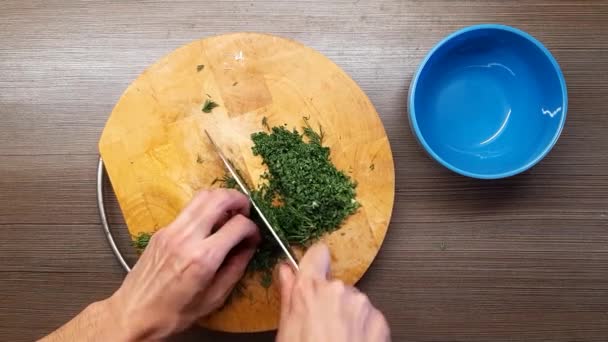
(243, 186)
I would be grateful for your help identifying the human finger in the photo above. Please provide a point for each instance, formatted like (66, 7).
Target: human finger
(377, 327)
(287, 279)
(223, 203)
(359, 305)
(192, 210)
(238, 229)
(227, 276)
(316, 262)
(211, 209)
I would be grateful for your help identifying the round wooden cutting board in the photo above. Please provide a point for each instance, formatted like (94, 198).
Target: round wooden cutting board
(157, 155)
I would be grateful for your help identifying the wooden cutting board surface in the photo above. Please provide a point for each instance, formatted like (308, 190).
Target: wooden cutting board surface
(157, 156)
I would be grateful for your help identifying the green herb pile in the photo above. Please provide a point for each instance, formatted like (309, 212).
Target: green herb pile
(303, 194)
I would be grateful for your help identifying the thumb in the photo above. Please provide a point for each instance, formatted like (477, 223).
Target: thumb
(286, 279)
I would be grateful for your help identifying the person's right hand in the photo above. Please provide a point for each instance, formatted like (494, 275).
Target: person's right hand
(316, 309)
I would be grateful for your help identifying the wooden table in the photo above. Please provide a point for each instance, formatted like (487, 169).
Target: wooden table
(519, 259)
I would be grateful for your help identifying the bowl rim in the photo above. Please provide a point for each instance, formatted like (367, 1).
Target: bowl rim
(412, 108)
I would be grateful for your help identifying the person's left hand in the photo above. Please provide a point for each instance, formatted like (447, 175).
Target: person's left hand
(189, 268)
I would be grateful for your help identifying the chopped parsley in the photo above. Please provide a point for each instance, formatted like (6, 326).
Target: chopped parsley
(314, 196)
(266, 279)
(209, 105)
(141, 241)
(302, 193)
(265, 123)
(227, 181)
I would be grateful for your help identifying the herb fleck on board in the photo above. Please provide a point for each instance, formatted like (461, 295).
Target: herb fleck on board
(209, 105)
(141, 241)
(266, 279)
(227, 181)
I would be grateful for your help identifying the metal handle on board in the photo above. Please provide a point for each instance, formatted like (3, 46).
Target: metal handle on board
(104, 218)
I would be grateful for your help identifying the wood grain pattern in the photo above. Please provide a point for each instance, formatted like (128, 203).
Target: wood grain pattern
(157, 155)
(521, 259)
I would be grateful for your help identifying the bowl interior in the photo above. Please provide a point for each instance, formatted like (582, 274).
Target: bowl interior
(489, 102)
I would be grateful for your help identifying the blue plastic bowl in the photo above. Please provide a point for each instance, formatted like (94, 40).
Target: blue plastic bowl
(488, 101)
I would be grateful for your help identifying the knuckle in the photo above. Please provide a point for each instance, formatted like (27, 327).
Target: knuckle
(217, 300)
(171, 243)
(159, 238)
(225, 196)
(184, 217)
(200, 267)
(303, 296)
(361, 299)
(379, 317)
(219, 194)
(337, 287)
(240, 219)
(214, 303)
(220, 201)
(197, 201)
(202, 256)
(303, 289)
(201, 195)
(187, 216)
(208, 257)
(243, 221)
(232, 192)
